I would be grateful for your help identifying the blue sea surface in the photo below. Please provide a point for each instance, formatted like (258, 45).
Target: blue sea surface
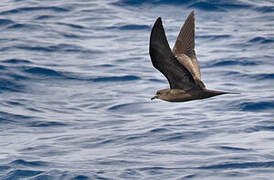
(76, 81)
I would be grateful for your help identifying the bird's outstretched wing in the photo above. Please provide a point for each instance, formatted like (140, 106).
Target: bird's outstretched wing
(185, 44)
(163, 59)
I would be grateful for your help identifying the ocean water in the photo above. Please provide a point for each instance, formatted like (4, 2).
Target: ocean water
(76, 81)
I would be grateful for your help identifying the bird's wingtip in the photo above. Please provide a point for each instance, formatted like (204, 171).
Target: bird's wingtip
(192, 13)
(159, 20)
(157, 25)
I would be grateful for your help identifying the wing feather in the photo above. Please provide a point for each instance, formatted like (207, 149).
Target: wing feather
(185, 43)
(163, 59)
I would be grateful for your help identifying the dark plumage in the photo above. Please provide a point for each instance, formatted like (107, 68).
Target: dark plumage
(180, 65)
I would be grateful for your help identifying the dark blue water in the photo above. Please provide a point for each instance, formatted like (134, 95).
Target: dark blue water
(76, 82)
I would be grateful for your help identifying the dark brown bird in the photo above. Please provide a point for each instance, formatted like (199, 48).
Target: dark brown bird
(180, 65)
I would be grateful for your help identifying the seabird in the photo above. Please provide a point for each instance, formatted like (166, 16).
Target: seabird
(179, 65)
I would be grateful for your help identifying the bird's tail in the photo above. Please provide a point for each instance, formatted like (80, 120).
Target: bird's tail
(223, 92)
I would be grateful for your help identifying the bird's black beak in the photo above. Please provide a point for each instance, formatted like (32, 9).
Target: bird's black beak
(154, 97)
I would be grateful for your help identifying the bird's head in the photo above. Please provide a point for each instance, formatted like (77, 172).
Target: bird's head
(161, 94)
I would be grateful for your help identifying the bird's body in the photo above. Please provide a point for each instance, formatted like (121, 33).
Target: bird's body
(179, 95)
(180, 65)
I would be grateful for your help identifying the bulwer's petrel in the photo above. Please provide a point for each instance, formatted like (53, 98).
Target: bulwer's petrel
(180, 65)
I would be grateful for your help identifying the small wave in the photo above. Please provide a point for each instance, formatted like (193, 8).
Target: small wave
(191, 176)
(150, 2)
(14, 116)
(43, 71)
(2, 168)
(174, 138)
(63, 175)
(17, 77)
(135, 137)
(46, 72)
(117, 162)
(45, 124)
(24, 26)
(116, 78)
(259, 128)
(10, 85)
(33, 109)
(76, 26)
(266, 128)
(6, 117)
(14, 103)
(2, 67)
(157, 80)
(119, 106)
(44, 177)
(231, 62)
(28, 163)
(71, 35)
(264, 76)
(257, 106)
(238, 74)
(206, 6)
(130, 27)
(29, 9)
(130, 108)
(16, 61)
(19, 174)
(269, 164)
(43, 17)
(82, 177)
(235, 74)
(104, 65)
(36, 48)
(130, 174)
(203, 5)
(155, 170)
(214, 37)
(48, 175)
(58, 48)
(179, 136)
(232, 148)
(261, 40)
(218, 6)
(265, 9)
(4, 22)
(158, 130)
